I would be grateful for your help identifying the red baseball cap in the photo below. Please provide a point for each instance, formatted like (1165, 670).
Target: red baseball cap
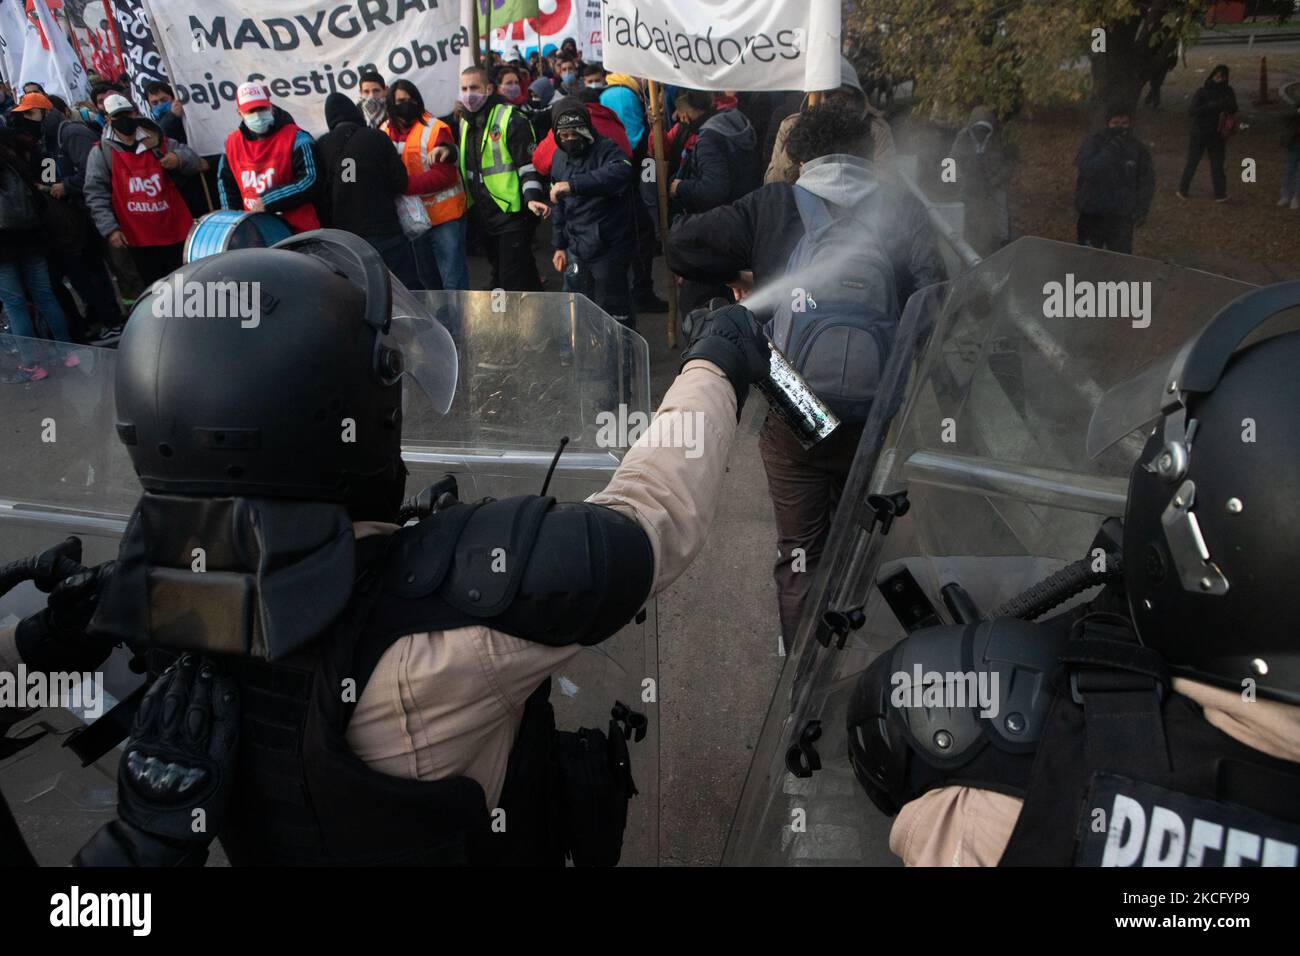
(252, 96)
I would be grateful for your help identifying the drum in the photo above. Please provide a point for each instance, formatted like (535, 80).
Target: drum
(228, 229)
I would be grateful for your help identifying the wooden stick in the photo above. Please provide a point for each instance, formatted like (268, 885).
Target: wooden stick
(655, 107)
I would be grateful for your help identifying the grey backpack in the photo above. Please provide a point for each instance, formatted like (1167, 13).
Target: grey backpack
(837, 325)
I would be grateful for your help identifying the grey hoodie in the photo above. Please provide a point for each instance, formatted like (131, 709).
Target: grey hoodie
(99, 175)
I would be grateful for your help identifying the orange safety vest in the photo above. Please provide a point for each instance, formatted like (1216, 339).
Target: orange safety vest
(441, 206)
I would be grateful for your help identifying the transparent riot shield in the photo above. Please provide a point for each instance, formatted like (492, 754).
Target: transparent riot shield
(982, 421)
(534, 369)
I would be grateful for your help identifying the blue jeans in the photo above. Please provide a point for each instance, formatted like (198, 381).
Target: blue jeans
(18, 277)
(440, 257)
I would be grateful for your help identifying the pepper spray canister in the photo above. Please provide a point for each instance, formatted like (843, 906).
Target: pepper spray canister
(794, 403)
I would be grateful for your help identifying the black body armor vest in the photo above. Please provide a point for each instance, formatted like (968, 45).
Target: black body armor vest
(555, 574)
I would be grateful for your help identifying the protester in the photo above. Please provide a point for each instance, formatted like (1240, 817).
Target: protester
(509, 83)
(592, 220)
(502, 185)
(781, 169)
(983, 169)
(166, 110)
(359, 170)
(132, 193)
(24, 271)
(570, 79)
(537, 106)
(270, 165)
(622, 94)
(1291, 176)
(1214, 120)
(1116, 184)
(434, 200)
(82, 263)
(602, 120)
(718, 154)
(374, 98)
(750, 243)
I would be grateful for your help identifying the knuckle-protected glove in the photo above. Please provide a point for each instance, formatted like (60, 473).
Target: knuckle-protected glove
(179, 760)
(46, 569)
(730, 338)
(54, 638)
(180, 757)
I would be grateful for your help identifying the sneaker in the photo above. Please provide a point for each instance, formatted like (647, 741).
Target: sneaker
(34, 373)
(1181, 195)
(1295, 201)
(1286, 201)
(1222, 199)
(70, 360)
(107, 333)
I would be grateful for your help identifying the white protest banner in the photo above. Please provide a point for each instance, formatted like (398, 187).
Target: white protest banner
(303, 50)
(13, 31)
(725, 44)
(48, 58)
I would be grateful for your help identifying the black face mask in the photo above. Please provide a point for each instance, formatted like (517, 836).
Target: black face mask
(406, 112)
(574, 147)
(126, 125)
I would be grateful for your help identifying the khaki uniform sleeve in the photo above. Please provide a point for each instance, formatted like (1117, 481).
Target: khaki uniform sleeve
(781, 169)
(670, 480)
(954, 826)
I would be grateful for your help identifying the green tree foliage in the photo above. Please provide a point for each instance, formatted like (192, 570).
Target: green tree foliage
(1007, 53)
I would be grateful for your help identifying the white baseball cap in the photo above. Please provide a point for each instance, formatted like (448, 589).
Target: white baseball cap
(116, 103)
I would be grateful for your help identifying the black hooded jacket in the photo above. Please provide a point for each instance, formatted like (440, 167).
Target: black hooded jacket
(595, 219)
(358, 196)
(1209, 101)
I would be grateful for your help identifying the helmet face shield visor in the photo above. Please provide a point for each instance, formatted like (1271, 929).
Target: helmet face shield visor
(409, 341)
(1132, 404)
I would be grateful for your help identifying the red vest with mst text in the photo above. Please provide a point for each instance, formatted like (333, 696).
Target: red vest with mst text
(260, 165)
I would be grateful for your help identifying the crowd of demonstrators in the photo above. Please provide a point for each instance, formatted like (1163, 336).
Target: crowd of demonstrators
(24, 266)
(782, 168)
(1116, 183)
(1214, 119)
(984, 165)
(132, 193)
(269, 164)
(843, 214)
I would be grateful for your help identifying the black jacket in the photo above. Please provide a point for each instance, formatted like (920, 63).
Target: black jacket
(759, 232)
(75, 140)
(22, 153)
(721, 167)
(1208, 102)
(1116, 176)
(596, 218)
(363, 201)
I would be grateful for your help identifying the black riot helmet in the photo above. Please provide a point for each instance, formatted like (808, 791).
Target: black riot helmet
(1212, 525)
(274, 373)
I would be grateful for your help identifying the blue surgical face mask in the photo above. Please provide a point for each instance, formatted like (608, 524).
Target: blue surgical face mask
(259, 122)
(160, 110)
(568, 78)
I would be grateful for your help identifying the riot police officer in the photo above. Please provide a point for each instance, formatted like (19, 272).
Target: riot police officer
(1158, 724)
(393, 685)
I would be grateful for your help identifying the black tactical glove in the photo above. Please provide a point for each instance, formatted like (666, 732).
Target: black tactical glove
(176, 776)
(46, 569)
(730, 338)
(54, 638)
